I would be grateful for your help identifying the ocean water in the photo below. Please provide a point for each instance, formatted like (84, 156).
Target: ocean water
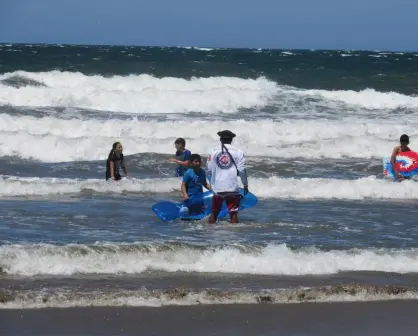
(314, 126)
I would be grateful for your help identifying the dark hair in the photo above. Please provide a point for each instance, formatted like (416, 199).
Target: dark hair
(226, 141)
(404, 138)
(115, 144)
(180, 141)
(195, 157)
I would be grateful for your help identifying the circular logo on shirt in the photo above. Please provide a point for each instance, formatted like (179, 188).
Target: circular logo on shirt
(223, 161)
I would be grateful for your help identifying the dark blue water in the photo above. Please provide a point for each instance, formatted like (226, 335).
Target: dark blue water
(314, 126)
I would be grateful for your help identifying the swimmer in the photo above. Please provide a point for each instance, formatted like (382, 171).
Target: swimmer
(115, 162)
(182, 157)
(194, 180)
(403, 147)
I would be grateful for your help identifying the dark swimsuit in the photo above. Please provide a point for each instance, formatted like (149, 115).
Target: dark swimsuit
(117, 158)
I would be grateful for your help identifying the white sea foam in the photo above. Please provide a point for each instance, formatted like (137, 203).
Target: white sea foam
(138, 93)
(147, 94)
(368, 98)
(51, 139)
(200, 48)
(15, 186)
(273, 187)
(273, 259)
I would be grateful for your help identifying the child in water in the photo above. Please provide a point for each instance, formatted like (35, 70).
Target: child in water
(182, 157)
(115, 163)
(194, 180)
(403, 147)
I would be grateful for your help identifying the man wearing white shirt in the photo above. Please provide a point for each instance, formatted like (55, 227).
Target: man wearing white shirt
(225, 164)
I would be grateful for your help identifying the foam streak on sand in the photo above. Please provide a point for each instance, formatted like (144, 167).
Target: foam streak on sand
(273, 187)
(188, 297)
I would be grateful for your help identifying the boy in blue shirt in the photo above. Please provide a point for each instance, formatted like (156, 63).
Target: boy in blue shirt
(182, 157)
(194, 180)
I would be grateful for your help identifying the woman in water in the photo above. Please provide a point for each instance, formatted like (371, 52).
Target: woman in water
(115, 163)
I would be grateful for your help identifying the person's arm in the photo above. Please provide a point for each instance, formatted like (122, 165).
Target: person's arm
(242, 170)
(392, 161)
(124, 167)
(207, 185)
(112, 169)
(184, 186)
(184, 190)
(209, 164)
(185, 162)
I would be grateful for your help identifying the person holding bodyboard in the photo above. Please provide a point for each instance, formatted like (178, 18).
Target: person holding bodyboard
(194, 180)
(225, 163)
(401, 148)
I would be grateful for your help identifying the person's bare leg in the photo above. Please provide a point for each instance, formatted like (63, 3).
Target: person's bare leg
(213, 217)
(216, 208)
(234, 217)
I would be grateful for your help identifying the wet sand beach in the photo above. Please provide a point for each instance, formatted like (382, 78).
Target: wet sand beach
(308, 319)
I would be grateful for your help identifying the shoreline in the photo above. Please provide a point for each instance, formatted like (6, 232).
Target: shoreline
(341, 318)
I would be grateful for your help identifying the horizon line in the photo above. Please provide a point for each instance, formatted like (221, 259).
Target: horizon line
(202, 47)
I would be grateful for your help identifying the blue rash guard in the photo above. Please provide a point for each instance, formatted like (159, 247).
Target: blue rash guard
(182, 156)
(195, 180)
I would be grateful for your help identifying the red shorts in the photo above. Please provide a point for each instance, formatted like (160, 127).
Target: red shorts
(232, 202)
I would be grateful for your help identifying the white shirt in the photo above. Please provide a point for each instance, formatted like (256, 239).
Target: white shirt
(222, 170)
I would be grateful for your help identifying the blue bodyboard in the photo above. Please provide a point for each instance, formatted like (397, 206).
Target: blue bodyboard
(169, 211)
